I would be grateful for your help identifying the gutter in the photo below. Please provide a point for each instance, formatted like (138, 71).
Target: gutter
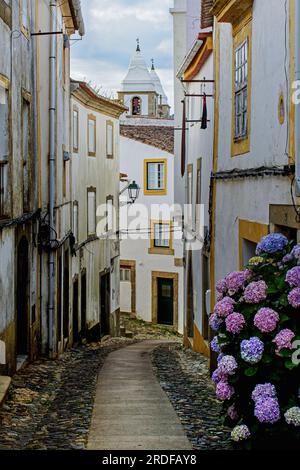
(297, 105)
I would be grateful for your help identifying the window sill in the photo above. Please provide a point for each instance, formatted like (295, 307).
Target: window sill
(155, 192)
(92, 154)
(161, 251)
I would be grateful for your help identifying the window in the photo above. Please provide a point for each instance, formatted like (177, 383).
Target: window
(109, 139)
(109, 214)
(241, 91)
(161, 238)
(91, 211)
(92, 136)
(75, 129)
(155, 176)
(26, 153)
(75, 220)
(136, 106)
(162, 235)
(125, 275)
(4, 147)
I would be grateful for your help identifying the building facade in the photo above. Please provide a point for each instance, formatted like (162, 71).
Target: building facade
(95, 191)
(151, 249)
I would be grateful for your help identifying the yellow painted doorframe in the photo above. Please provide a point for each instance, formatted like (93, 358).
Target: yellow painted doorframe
(163, 275)
(251, 231)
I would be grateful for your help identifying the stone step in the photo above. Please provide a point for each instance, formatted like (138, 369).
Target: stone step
(4, 386)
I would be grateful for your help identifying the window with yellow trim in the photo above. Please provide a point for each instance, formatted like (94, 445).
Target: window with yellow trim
(161, 238)
(92, 135)
(155, 177)
(109, 139)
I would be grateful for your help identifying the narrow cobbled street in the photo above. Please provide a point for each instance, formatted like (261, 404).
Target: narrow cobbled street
(57, 404)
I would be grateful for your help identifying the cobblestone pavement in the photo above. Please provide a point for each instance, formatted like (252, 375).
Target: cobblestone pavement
(184, 377)
(50, 402)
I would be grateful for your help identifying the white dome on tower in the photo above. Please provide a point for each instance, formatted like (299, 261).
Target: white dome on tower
(138, 77)
(157, 84)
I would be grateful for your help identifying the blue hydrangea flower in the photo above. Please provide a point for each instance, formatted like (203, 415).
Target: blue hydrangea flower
(215, 345)
(271, 244)
(252, 350)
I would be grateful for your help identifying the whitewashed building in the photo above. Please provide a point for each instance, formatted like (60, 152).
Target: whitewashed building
(151, 253)
(95, 191)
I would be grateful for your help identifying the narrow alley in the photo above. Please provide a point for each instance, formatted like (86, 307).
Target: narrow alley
(132, 394)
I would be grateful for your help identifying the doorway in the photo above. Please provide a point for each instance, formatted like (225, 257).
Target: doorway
(83, 305)
(190, 300)
(165, 301)
(75, 312)
(104, 304)
(66, 299)
(23, 298)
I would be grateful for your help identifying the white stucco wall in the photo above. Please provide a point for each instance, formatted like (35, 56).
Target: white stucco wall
(132, 157)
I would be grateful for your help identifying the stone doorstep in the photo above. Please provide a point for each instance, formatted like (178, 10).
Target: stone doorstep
(4, 386)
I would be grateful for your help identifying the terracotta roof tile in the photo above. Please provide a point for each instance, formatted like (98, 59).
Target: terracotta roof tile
(157, 136)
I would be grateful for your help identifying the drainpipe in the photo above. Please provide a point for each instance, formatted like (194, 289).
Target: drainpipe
(52, 168)
(297, 106)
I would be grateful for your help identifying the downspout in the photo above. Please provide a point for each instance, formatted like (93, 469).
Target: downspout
(52, 182)
(297, 105)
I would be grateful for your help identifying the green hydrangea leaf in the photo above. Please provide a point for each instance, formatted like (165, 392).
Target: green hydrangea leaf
(290, 365)
(285, 352)
(251, 371)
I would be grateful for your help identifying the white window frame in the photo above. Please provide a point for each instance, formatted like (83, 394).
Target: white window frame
(92, 135)
(158, 180)
(162, 235)
(75, 130)
(110, 139)
(241, 89)
(91, 211)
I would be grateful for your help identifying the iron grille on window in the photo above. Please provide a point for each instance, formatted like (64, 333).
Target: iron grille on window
(241, 91)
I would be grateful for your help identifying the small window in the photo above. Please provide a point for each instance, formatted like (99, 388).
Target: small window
(75, 129)
(136, 106)
(109, 140)
(92, 136)
(4, 150)
(125, 275)
(109, 214)
(75, 220)
(241, 91)
(161, 235)
(91, 212)
(156, 176)
(26, 153)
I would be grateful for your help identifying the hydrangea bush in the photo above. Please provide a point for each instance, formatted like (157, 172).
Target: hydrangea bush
(257, 326)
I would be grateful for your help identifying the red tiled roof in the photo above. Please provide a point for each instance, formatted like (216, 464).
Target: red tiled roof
(157, 136)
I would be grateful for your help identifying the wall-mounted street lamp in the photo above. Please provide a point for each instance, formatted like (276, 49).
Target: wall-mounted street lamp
(133, 192)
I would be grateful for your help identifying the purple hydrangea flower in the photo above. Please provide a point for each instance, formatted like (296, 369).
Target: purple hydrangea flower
(267, 410)
(218, 376)
(228, 365)
(255, 292)
(266, 320)
(293, 277)
(263, 391)
(215, 345)
(235, 322)
(215, 322)
(287, 258)
(225, 307)
(294, 297)
(284, 339)
(236, 281)
(271, 244)
(240, 433)
(224, 391)
(292, 416)
(232, 413)
(296, 252)
(221, 286)
(252, 350)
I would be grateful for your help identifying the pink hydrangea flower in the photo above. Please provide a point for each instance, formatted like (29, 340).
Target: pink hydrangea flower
(221, 286)
(293, 277)
(284, 339)
(236, 281)
(235, 322)
(224, 391)
(255, 292)
(266, 320)
(224, 307)
(294, 297)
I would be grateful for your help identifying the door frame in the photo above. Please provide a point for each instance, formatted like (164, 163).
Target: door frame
(163, 275)
(104, 274)
(131, 264)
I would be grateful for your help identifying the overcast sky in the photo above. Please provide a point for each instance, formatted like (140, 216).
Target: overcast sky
(112, 27)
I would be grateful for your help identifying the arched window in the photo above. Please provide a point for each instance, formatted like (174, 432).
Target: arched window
(136, 106)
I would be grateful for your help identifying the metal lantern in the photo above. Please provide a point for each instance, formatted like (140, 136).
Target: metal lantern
(133, 191)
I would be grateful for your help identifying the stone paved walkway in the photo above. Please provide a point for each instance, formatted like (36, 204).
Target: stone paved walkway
(131, 411)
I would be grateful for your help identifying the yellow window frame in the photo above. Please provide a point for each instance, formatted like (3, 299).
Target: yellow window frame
(155, 250)
(155, 192)
(91, 117)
